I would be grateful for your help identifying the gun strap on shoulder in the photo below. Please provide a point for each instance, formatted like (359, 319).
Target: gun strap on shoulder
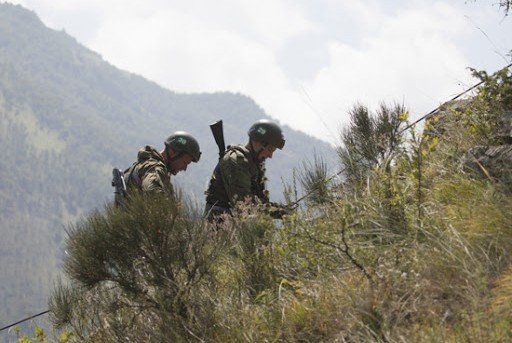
(257, 183)
(133, 176)
(133, 173)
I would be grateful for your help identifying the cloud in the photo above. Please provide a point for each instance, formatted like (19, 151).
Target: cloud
(411, 58)
(188, 51)
(194, 46)
(366, 51)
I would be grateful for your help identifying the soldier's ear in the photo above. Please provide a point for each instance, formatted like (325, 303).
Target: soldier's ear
(258, 144)
(172, 153)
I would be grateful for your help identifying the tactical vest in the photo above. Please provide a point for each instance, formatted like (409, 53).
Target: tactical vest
(216, 193)
(134, 174)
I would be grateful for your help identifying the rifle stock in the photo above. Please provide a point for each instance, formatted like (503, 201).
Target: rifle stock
(119, 186)
(218, 134)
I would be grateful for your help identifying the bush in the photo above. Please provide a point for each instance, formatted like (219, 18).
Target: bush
(408, 247)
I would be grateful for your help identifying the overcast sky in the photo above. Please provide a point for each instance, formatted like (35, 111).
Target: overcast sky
(304, 62)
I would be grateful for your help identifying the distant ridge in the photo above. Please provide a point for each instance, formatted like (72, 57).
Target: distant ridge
(66, 118)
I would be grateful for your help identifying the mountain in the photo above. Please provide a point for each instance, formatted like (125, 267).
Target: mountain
(66, 118)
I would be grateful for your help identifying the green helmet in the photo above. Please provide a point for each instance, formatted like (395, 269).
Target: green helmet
(267, 131)
(182, 141)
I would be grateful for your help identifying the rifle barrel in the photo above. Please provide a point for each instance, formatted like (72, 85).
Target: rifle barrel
(218, 135)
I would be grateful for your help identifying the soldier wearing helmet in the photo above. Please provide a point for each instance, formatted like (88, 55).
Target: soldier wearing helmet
(240, 173)
(151, 172)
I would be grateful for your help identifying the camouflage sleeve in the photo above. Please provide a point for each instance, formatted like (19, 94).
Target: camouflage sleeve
(236, 175)
(156, 180)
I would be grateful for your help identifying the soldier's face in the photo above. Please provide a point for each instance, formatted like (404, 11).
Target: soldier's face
(180, 164)
(266, 152)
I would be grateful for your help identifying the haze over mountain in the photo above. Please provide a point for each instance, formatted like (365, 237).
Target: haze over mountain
(66, 118)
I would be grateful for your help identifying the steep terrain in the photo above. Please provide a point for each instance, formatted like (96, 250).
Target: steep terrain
(410, 246)
(66, 118)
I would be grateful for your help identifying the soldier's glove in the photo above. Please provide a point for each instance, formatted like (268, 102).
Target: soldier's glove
(277, 211)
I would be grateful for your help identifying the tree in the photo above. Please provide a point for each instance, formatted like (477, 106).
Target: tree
(137, 273)
(504, 5)
(370, 139)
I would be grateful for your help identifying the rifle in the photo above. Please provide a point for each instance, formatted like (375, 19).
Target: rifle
(218, 134)
(119, 187)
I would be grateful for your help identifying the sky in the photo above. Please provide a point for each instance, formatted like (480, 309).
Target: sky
(305, 62)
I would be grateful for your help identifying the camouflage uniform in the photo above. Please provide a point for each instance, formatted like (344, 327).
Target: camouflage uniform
(237, 176)
(149, 173)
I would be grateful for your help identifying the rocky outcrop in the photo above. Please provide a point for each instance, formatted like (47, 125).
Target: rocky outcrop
(494, 162)
(505, 131)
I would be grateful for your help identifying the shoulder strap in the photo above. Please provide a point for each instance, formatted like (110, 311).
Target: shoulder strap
(239, 148)
(257, 181)
(132, 174)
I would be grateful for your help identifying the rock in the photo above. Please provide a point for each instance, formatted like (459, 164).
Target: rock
(505, 131)
(491, 161)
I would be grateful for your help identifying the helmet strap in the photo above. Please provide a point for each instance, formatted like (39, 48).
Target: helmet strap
(257, 153)
(172, 159)
(177, 157)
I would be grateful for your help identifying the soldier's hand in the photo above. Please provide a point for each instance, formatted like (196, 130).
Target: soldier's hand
(277, 211)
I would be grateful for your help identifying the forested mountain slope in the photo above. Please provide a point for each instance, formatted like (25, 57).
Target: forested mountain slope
(66, 118)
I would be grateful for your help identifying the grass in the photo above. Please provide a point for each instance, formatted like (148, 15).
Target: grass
(386, 258)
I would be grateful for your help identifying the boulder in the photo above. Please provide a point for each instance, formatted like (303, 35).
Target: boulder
(494, 162)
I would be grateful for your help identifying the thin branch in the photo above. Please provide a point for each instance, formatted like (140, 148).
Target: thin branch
(484, 170)
(345, 250)
(354, 261)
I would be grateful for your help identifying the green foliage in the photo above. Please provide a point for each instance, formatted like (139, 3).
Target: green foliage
(370, 140)
(41, 336)
(419, 252)
(137, 269)
(67, 118)
(314, 181)
(497, 90)
(408, 248)
(484, 117)
(504, 5)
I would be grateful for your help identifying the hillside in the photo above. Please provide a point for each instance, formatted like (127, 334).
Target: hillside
(66, 118)
(412, 245)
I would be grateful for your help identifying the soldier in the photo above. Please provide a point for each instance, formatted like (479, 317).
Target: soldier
(240, 173)
(151, 172)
